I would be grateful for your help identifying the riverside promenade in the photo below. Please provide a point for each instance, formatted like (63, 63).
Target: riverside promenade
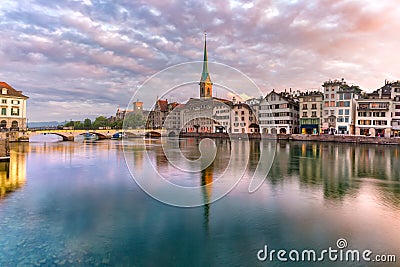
(301, 137)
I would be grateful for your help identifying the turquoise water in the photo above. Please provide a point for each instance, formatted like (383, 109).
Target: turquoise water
(71, 203)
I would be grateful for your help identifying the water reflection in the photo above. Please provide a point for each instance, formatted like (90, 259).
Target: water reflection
(206, 183)
(13, 173)
(340, 169)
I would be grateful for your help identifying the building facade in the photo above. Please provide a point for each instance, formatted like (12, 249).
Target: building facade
(374, 113)
(159, 113)
(395, 96)
(279, 113)
(310, 104)
(13, 108)
(339, 107)
(243, 119)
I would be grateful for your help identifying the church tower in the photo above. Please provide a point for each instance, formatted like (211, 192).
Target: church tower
(205, 81)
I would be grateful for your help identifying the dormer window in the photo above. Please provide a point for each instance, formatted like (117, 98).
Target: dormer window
(4, 91)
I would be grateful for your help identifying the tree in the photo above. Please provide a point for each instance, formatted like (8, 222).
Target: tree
(100, 121)
(87, 124)
(78, 125)
(133, 120)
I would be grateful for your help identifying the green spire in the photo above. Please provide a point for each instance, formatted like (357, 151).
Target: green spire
(205, 74)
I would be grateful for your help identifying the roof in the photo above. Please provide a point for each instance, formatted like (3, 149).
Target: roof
(162, 105)
(286, 96)
(11, 91)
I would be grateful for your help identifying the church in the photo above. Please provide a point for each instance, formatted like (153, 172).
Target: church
(209, 114)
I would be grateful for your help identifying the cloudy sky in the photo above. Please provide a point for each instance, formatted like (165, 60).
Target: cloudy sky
(78, 59)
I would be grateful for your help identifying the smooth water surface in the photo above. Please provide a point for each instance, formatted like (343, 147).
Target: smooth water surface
(70, 203)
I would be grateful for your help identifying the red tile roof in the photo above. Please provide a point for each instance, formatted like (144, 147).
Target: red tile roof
(162, 105)
(11, 91)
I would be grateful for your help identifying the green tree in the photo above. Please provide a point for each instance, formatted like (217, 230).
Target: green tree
(69, 124)
(134, 120)
(78, 125)
(87, 124)
(101, 121)
(117, 124)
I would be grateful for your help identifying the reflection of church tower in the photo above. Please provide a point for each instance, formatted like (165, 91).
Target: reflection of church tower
(205, 81)
(206, 182)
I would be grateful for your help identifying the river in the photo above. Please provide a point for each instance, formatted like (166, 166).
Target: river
(75, 203)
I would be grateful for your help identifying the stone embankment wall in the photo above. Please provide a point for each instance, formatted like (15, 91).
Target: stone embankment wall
(303, 137)
(346, 139)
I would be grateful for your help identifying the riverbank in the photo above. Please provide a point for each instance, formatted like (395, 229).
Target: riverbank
(345, 139)
(300, 137)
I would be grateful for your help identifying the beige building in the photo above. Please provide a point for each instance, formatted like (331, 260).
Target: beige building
(160, 111)
(13, 108)
(243, 119)
(310, 104)
(373, 114)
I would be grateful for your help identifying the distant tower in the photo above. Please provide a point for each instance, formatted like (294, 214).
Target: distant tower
(205, 81)
(137, 106)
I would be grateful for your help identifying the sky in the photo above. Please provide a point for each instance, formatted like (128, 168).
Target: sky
(84, 58)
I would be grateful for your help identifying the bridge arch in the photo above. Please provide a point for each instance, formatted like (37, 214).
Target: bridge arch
(153, 134)
(65, 137)
(100, 135)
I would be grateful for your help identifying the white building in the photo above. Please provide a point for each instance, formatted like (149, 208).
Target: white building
(222, 114)
(13, 108)
(339, 107)
(279, 113)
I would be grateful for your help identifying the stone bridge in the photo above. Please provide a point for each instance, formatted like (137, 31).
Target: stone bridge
(69, 135)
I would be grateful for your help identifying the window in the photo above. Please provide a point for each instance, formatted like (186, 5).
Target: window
(326, 96)
(304, 114)
(332, 96)
(16, 102)
(314, 114)
(347, 103)
(4, 111)
(4, 101)
(347, 112)
(346, 119)
(4, 91)
(314, 106)
(15, 111)
(304, 106)
(340, 111)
